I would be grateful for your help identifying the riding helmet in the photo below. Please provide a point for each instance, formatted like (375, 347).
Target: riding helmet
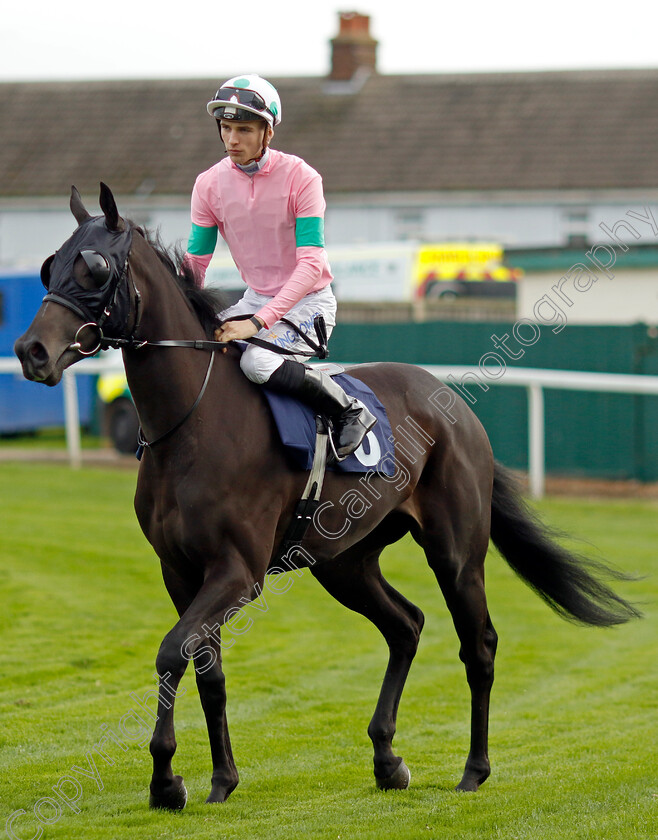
(246, 98)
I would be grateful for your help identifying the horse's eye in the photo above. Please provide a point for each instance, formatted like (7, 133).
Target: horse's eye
(45, 271)
(98, 266)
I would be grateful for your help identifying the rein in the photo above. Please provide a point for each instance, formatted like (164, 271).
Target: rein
(320, 349)
(124, 282)
(142, 443)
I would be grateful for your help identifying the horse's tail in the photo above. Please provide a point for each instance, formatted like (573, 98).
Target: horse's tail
(570, 584)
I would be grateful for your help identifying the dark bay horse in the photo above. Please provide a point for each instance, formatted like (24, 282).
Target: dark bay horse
(215, 494)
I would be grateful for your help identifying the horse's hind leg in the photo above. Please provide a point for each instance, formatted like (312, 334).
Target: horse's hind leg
(460, 573)
(356, 581)
(212, 692)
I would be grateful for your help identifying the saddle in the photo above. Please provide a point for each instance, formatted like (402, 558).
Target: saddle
(307, 440)
(296, 425)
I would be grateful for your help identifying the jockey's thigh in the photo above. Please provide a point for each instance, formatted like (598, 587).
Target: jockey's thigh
(257, 363)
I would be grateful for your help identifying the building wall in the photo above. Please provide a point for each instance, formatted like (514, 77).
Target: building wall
(514, 220)
(630, 297)
(376, 221)
(28, 234)
(31, 231)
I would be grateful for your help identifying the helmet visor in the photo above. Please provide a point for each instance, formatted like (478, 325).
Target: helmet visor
(231, 112)
(240, 96)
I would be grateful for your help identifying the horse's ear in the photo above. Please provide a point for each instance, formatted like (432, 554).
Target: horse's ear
(109, 207)
(77, 207)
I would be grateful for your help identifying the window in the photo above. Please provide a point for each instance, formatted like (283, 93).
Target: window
(409, 224)
(575, 223)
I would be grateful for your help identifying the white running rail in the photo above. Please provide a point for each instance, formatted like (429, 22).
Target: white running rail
(534, 380)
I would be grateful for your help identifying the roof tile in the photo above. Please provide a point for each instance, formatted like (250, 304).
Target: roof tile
(501, 131)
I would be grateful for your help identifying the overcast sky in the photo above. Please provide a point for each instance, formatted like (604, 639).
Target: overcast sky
(83, 39)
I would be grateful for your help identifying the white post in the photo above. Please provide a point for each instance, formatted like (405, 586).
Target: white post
(72, 419)
(536, 441)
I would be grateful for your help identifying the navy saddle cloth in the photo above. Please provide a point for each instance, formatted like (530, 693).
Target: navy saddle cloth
(296, 424)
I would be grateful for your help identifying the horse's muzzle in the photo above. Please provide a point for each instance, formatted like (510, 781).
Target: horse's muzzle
(34, 358)
(47, 347)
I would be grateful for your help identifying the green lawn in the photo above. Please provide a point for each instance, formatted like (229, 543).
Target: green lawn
(53, 438)
(573, 726)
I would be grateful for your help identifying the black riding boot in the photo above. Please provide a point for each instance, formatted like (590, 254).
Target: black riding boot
(351, 420)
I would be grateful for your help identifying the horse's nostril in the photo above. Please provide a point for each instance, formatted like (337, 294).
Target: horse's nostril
(38, 353)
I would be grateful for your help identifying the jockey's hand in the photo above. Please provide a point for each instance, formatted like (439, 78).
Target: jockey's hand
(236, 330)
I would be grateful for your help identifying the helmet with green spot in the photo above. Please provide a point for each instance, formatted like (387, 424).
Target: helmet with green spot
(246, 98)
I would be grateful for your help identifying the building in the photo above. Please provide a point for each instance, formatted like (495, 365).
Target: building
(536, 161)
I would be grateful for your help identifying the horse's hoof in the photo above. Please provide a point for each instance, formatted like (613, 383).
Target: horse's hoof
(172, 798)
(396, 781)
(468, 786)
(471, 781)
(220, 794)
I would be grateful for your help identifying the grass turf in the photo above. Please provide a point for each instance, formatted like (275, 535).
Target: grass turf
(573, 722)
(51, 438)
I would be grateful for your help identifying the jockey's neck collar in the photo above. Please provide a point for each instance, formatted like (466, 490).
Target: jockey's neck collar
(255, 166)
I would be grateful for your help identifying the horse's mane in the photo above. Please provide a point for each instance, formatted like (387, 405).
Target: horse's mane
(205, 302)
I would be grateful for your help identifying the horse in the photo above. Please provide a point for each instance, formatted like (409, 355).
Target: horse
(216, 492)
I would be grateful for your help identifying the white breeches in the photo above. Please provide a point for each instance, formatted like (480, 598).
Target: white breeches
(259, 364)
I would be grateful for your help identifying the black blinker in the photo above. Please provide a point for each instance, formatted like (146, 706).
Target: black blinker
(45, 271)
(98, 266)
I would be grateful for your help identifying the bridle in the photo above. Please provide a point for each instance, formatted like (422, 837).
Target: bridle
(123, 293)
(104, 342)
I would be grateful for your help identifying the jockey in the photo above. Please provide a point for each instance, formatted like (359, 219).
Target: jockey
(269, 208)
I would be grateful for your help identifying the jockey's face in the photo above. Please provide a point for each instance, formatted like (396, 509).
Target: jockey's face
(245, 141)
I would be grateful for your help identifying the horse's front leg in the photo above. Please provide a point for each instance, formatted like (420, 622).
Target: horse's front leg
(192, 638)
(166, 789)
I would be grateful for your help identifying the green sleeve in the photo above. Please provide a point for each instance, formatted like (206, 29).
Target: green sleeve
(310, 231)
(202, 240)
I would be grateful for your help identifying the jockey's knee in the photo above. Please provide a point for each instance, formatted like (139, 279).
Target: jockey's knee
(258, 365)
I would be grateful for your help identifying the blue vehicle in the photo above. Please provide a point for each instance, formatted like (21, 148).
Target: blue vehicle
(24, 407)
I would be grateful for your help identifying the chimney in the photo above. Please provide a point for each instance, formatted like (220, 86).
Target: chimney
(353, 48)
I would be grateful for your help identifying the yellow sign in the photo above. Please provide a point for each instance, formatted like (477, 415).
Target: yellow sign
(460, 261)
